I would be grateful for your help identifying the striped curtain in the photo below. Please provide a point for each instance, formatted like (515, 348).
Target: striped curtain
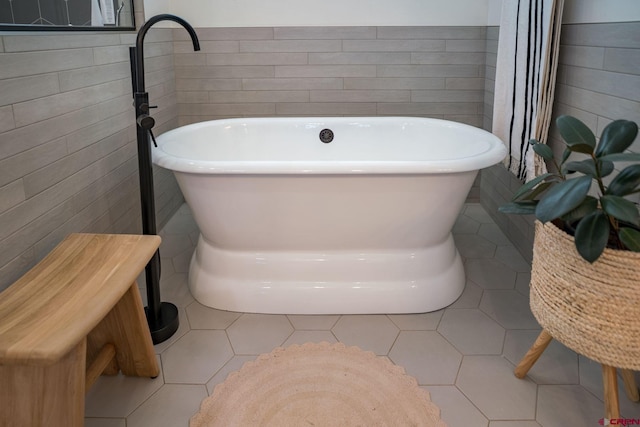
(525, 79)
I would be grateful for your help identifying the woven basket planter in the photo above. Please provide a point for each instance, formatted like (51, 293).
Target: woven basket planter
(594, 309)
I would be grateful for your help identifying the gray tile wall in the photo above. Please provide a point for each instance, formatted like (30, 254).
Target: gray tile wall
(598, 81)
(67, 139)
(344, 71)
(490, 75)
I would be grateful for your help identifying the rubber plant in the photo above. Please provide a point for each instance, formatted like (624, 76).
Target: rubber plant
(576, 196)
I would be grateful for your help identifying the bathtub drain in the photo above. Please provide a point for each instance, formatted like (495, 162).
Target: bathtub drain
(326, 135)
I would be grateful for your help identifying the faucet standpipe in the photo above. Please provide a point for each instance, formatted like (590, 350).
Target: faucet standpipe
(162, 317)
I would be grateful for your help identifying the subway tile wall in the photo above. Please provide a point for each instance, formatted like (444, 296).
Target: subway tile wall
(68, 158)
(328, 71)
(598, 81)
(491, 58)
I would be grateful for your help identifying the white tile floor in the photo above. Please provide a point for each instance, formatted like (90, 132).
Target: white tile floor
(463, 355)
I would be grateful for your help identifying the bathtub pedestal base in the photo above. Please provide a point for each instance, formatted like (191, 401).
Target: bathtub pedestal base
(330, 282)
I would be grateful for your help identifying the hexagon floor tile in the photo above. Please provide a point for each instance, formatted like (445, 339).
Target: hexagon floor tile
(509, 308)
(464, 355)
(427, 356)
(472, 332)
(470, 298)
(196, 357)
(493, 233)
(490, 274)
(170, 406)
(567, 405)
(118, 396)
(259, 333)
(510, 256)
(203, 317)
(417, 322)
(466, 225)
(375, 333)
(474, 246)
(455, 407)
(556, 365)
(313, 322)
(489, 383)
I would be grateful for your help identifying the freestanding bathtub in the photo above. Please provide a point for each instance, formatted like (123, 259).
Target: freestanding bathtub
(326, 215)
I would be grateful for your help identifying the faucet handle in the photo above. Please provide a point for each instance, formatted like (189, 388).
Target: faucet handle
(144, 107)
(153, 138)
(145, 121)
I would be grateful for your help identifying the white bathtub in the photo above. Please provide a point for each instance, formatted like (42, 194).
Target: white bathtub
(292, 225)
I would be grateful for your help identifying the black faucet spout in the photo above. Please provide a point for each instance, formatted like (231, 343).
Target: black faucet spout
(139, 49)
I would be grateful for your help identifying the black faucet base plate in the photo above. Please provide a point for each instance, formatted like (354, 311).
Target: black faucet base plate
(166, 325)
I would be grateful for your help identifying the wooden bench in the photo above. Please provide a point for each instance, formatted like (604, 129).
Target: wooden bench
(74, 316)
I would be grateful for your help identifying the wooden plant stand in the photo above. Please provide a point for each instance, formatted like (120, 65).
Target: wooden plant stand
(591, 308)
(74, 316)
(609, 377)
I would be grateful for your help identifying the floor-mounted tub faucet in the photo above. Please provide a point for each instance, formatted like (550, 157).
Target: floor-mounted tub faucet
(161, 316)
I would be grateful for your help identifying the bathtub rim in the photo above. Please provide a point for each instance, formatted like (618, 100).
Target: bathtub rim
(494, 154)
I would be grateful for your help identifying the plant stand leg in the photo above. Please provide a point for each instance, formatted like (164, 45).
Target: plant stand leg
(610, 380)
(533, 354)
(630, 386)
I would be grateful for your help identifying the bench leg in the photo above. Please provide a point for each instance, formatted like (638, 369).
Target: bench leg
(126, 328)
(533, 354)
(44, 396)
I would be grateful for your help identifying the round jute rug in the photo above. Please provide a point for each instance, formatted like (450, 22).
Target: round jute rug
(318, 385)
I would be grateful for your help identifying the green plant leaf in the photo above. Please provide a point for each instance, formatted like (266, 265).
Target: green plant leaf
(625, 182)
(622, 157)
(582, 148)
(563, 198)
(592, 234)
(586, 166)
(621, 208)
(543, 150)
(538, 190)
(565, 155)
(576, 134)
(630, 238)
(589, 205)
(606, 167)
(530, 185)
(616, 137)
(519, 208)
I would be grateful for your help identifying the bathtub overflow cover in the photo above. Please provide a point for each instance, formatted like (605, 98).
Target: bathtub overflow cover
(326, 135)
